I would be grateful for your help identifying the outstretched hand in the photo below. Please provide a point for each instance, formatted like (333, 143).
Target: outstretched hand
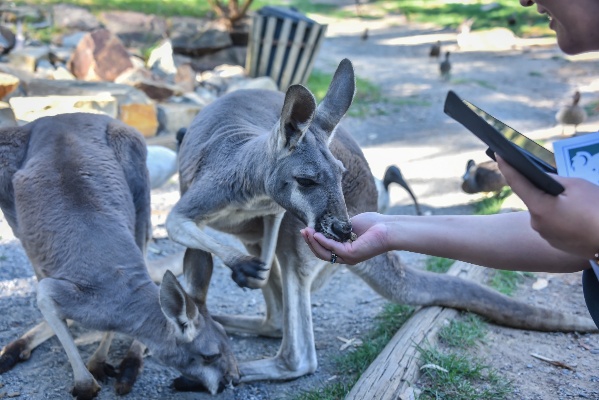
(569, 221)
(371, 241)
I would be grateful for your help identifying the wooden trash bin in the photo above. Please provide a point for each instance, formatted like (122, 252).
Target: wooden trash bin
(283, 44)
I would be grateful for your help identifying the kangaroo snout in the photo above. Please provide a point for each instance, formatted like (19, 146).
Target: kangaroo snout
(342, 230)
(334, 228)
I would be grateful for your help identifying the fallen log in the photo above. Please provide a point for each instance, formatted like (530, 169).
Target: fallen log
(397, 367)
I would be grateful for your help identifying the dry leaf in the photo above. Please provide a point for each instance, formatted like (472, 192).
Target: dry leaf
(349, 342)
(433, 366)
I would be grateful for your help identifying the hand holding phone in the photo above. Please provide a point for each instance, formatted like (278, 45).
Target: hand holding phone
(528, 157)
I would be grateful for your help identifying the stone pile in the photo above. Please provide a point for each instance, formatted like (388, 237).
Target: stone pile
(153, 73)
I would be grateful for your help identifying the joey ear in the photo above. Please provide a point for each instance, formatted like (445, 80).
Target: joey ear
(338, 98)
(296, 116)
(178, 307)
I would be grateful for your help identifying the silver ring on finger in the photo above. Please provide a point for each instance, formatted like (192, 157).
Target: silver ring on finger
(333, 258)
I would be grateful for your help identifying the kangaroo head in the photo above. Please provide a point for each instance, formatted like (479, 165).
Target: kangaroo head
(202, 351)
(305, 177)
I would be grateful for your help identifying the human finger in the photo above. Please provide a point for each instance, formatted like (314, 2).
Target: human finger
(524, 188)
(324, 252)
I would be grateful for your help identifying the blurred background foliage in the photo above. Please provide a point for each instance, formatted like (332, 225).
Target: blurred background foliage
(445, 13)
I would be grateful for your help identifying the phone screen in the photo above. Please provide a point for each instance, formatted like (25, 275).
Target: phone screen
(515, 137)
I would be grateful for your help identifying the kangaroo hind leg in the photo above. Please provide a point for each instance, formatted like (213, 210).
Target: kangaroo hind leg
(20, 349)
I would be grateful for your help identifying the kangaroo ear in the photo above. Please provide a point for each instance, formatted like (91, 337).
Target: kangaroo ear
(296, 116)
(197, 269)
(178, 307)
(338, 98)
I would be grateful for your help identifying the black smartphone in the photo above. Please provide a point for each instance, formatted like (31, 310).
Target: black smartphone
(530, 158)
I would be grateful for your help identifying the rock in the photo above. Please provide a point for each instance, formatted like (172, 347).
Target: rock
(24, 76)
(143, 117)
(134, 28)
(173, 116)
(62, 73)
(45, 69)
(60, 54)
(161, 60)
(186, 78)
(70, 17)
(154, 87)
(99, 56)
(72, 40)
(234, 55)
(28, 57)
(7, 40)
(30, 108)
(263, 82)
(8, 84)
(162, 165)
(7, 116)
(134, 107)
(201, 96)
(197, 37)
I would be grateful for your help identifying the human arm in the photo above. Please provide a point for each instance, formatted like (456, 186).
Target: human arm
(569, 221)
(502, 241)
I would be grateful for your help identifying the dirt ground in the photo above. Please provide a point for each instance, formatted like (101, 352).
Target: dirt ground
(524, 86)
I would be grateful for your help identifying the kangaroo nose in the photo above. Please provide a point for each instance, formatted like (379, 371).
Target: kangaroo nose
(342, 230)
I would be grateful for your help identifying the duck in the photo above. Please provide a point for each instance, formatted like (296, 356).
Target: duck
(484, 177)
(364, 35)
(435, 50)
(392, 175)
(445, 67)
(571, 114)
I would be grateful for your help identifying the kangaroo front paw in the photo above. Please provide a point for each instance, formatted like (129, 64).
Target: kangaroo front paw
(249, 272)
(85, 390)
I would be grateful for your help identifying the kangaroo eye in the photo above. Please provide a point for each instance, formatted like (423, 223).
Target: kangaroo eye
(305, 182)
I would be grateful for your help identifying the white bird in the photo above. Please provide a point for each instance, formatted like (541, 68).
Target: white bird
(392, 175)
(162, 165)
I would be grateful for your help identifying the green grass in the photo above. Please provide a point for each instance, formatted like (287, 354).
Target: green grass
(592, 108)
(492, 205)
(353, 363)
(464, 333)
(507, 282)
(451, 14)
(467, 378)
(438, 264)
(368, 95)
(165, 8)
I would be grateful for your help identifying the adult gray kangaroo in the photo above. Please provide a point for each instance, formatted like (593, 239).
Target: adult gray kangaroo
(262, 165)
(75, 190)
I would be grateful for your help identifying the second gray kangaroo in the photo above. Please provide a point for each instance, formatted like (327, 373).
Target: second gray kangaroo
(75, 190)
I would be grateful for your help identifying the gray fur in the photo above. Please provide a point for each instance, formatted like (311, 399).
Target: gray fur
(75, 191)
(238, 174)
